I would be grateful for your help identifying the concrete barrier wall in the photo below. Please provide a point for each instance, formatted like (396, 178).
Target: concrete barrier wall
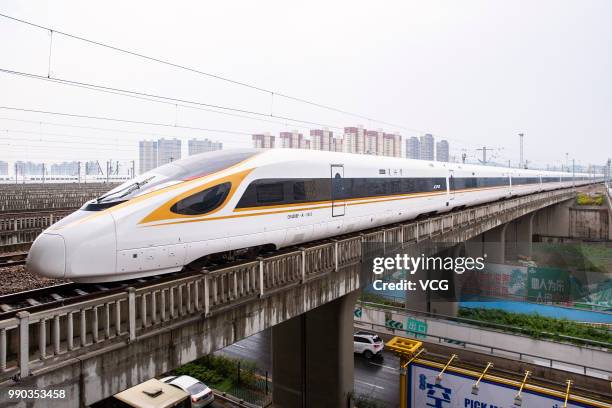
(562, 352)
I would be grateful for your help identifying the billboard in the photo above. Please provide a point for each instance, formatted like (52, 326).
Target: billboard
(455, 390)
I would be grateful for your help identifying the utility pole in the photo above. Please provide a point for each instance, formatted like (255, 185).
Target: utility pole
(43, 172)
(484, 153)
(108, 164)
(79, 171)
(133, 167)
(463, 157)
(521, 163)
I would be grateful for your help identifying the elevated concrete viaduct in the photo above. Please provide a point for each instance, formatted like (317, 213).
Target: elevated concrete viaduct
(98, 347)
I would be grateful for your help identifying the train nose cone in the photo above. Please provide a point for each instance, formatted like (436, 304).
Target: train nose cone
(47, 256)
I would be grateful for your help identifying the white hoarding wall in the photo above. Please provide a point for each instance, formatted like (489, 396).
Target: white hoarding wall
(455, 390)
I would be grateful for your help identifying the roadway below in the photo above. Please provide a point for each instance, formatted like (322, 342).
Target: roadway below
(377, 378)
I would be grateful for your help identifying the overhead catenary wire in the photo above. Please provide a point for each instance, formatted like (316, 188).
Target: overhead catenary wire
(54, 134)
(271, 92)
(57, 124)
(121, 120)
(175, 102)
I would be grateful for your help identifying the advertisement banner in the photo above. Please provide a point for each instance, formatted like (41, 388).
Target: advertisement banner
(455, 391)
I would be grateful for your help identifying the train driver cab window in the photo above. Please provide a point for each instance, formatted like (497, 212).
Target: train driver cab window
(202, 202)
(270, 193)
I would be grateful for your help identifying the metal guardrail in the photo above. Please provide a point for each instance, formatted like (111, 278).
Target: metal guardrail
(31, 341)
(493, 350)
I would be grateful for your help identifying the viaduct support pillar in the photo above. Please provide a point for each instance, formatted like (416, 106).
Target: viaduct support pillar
(312, 356)
(494, 244)
(524, 234)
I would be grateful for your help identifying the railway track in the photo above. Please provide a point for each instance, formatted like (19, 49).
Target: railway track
(15, 258)
(68, 293)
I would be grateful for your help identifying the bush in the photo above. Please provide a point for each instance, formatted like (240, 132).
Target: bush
(220, 372)
(538, 326)
(586, 199)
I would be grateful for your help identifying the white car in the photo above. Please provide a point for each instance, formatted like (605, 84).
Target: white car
(201, 395)
(368, 344)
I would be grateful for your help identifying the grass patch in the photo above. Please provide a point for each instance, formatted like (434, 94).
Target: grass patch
(586, 199)
(538, 326)
(379, 299)
(220, 372)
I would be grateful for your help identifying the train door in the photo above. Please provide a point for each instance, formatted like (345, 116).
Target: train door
(337, 190)
(451, 185)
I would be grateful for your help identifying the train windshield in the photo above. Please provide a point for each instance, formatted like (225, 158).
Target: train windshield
(192, 167)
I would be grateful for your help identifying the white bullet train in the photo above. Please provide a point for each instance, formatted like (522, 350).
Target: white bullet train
(222, 202)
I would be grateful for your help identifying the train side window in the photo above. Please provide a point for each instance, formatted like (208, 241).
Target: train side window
(270, 193)
(203, 201)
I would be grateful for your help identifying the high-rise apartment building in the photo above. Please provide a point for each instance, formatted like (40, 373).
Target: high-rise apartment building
(354, 140)
(29, 168)
(321, 139)
(293, 140)
(65, 169)
(442, 151)
(197, 146)
(3, 168)
(392, 145)
(147, 155)
(413, 148)
(168, 150)
(427, 147)
(374, 142)
(337, 144)
(264, 141)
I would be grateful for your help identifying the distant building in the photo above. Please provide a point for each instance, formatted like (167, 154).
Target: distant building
(64, 169)
(28, 168)
(3, 168)
(442, 151)
(93, 168)
(264, 141)
(337, 144)
(168, 150)
(147, 155)
(197, 146)
(354, 140)
(413, 148)
(374, 142)
(321, 139)
(427, 147)
(293, 140)
(392, 145)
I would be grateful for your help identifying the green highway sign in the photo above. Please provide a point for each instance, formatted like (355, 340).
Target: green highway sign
(416, 327)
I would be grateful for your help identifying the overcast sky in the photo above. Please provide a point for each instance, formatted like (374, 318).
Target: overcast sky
(473, 72)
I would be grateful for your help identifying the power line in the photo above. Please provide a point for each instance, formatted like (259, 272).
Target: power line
(137, 122)
(139, 133)
(168, 100)
(271, 92)
(33, 132)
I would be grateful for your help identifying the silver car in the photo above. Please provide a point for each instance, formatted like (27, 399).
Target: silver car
(201, 394)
